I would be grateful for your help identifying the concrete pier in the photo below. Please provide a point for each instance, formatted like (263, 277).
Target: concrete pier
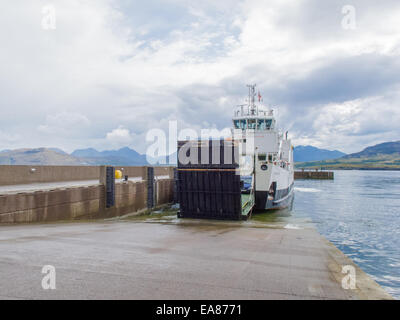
(175, 259)
(33, 196)
(321, 175)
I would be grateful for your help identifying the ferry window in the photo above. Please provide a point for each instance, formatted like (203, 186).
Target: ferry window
(268, 123)
(236, 124)
(270, 157)
(261, 124)
(262, 157)
(243, 124)
(252, 124)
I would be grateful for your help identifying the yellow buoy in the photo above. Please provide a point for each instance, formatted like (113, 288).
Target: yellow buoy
(118, 174)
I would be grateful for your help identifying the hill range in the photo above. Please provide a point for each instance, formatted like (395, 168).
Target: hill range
(122, 157)
(382, 156)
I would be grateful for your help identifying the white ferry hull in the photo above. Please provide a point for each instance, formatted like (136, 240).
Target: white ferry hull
(283, 199)
(281, 182)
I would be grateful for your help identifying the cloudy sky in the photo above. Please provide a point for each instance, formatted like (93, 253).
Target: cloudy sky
(113, 69)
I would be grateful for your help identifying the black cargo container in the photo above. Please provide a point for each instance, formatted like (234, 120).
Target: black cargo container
(208, 181)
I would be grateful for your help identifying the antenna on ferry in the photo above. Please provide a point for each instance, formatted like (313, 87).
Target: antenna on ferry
(252, 95)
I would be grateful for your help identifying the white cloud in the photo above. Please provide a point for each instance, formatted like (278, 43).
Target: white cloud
(65, 123)
(112, 69)
(344, 125)
(119, 137)
(8, 140)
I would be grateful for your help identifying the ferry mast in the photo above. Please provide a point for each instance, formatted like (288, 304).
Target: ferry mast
(251, 102)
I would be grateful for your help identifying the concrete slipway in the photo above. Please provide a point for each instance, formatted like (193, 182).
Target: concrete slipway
(175, 259)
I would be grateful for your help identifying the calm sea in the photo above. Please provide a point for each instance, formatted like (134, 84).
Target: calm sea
(359, 212)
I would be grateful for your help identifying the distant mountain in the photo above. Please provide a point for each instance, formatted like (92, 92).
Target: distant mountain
(86, 153)
(58, 150)
(384, 156)
(123, 157)
(166, 160)
(382, 149)
(54, 156)
(310, 153)
(37, 156)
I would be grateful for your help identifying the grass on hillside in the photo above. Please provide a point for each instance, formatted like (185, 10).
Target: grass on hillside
(381, 162)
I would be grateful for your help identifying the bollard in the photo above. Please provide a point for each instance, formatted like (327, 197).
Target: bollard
(176, 181)
(110, 187)
(107, 179)
(150, 188)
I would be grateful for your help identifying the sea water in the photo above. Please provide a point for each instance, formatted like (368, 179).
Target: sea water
(359, 212)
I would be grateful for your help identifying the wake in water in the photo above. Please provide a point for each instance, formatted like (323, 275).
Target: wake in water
(306, 189)
(292, 226)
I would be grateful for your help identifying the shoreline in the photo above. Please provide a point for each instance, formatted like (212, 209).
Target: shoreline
(346, 169)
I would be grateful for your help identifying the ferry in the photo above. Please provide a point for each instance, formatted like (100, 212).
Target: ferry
(228, 179)
(271, 152)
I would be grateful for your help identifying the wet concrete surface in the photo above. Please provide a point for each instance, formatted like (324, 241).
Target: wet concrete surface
(32, 187)
(166, 258)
